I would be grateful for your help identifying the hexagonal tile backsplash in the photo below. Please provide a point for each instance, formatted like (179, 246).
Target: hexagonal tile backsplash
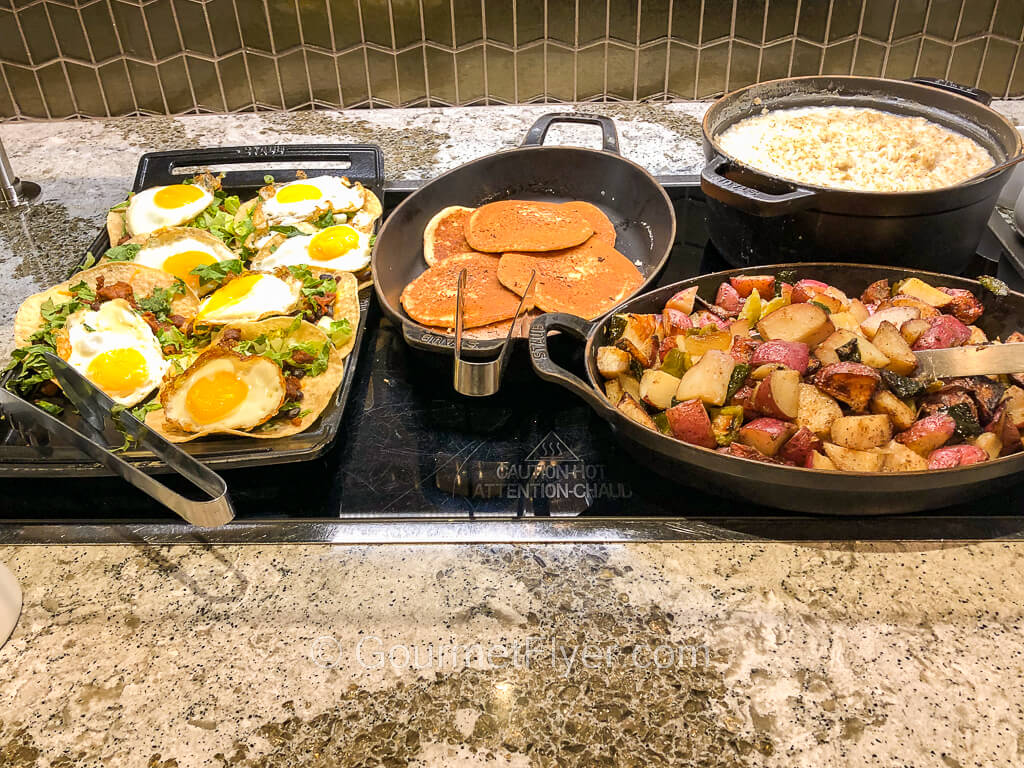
(85, 58)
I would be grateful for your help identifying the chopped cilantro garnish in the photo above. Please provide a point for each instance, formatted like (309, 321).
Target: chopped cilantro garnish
(216, 272)
(139, 412)
(82, 292)
(122, 252)
(326, 220)
(159, 302)
(31, 368)
(287, 231)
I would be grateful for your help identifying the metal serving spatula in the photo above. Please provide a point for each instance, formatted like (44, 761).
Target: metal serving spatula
(96, 408)
(976, 360)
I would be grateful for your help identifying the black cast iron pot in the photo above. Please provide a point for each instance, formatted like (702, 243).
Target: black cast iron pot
(757, 218)
(795, 488)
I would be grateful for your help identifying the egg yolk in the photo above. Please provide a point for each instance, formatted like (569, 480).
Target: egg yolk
(118, 372)
(181, 265)
(232, 293)
(296, 193)
(177, 195)
(213, 397)
(332, 243)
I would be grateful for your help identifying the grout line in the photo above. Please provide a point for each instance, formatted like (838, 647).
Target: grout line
(953, 43)
(63, 62)
(825, 43)
(668, 51)
(636, 52)
(988, 40)
(245, 57)
(124, 61)
(607, 35)
(728, 56)
(576, 48)
(366, 58)
(515, 50)
(697, 58)
(216, 67)
(423, 49)
(273, 54)
(184, 57)
(924, 34)
(483, 30)
(796, 35)
(394, 54)
(305, 51)
(545, 53)
(334, 55)
(764, 38)
(10, 92)
(892, 31)
(152, 53)
(31, 61)
(455, 46)
(857, 37)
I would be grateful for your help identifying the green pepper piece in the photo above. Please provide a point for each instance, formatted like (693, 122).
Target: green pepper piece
(615, 328)
(902, 386)
(661, 422)
(726, 423)
(966, 425)
(674, 363)
(849, 352)
(739, 375)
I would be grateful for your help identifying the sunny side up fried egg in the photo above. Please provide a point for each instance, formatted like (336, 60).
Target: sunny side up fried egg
(116, 350)
(299, 200)
(339, 247)
(251, 296)
(180, 254)
(224, 390)
(158, 207)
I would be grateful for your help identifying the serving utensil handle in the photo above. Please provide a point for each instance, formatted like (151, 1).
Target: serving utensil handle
(609, 134)
(546, 368)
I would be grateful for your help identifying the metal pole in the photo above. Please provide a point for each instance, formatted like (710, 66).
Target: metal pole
(13, 191)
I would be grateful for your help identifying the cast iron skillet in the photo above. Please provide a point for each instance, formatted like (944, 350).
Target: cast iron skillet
(804, 490)
(645, 224)
(757, 218)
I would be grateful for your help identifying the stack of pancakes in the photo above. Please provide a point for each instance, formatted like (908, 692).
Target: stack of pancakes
(569, 245)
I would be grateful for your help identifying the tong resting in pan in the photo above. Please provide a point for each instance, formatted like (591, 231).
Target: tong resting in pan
(482, 378)
(95, 408)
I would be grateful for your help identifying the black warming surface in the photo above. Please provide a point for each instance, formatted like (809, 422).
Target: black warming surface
(410, 448)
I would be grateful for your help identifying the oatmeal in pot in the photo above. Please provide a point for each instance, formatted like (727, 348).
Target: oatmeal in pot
(855, 148)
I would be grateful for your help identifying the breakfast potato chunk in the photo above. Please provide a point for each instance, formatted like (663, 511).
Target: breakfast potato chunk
(816, 410)
(895, 315)
(804, 323)
(890, 342)
(862, 433)
(943, 332)
(778, 394)
(800, 446)
(911, 330)
(612, 362)
(899, 458)
(919, 289)
(767, 435)
(613, 391)
(964, 305)
(792, 354)
(635, 411)
(817, 460)
(689, 422)
(747, 284)
(708, 380)
(851, 383)
(851, 460)
(638, 337)
(927, 434)
(900, 414)
(956, 456)
(657, 388)
(989, 443)
(683, 301)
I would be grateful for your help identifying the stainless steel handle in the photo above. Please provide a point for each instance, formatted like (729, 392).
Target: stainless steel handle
(13, 191)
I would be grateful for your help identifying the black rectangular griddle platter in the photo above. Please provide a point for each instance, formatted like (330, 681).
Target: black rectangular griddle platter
(418, 463)
(244, 170)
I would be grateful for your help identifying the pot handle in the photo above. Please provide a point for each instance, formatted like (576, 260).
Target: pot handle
(609, 134)
(948, 85)
(747, 199)
(546, 368)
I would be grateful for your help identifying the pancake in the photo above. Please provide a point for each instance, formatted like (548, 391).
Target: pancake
(445, 234)
(586, 281)
(430, 299)
(603, 227)
(522, 225)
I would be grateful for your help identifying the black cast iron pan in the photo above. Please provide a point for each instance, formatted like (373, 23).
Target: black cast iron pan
(794, 488)
(640, 209)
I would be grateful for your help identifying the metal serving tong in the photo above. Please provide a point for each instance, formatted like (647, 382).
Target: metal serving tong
(481, 378)
(95, 408)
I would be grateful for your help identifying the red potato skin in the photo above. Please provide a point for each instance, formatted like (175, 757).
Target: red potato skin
(1015, 338)
(956, 456)
(742, 349)
(683, 300)
(745, 285)
(928, 434)
(674, 321)
(744, 397)
(704, 318)
(945, 331)
(786, 291)
(728, 298)
(800, 446)
(852, 383)
(746, 452)
(689, 422)
(876, 293)
(666, 346)
(766, 434)
(1005, 430)
(792, 354)
(805, 290)
(965, 306)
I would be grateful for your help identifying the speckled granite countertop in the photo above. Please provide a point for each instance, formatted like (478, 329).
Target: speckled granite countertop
(739, 654)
